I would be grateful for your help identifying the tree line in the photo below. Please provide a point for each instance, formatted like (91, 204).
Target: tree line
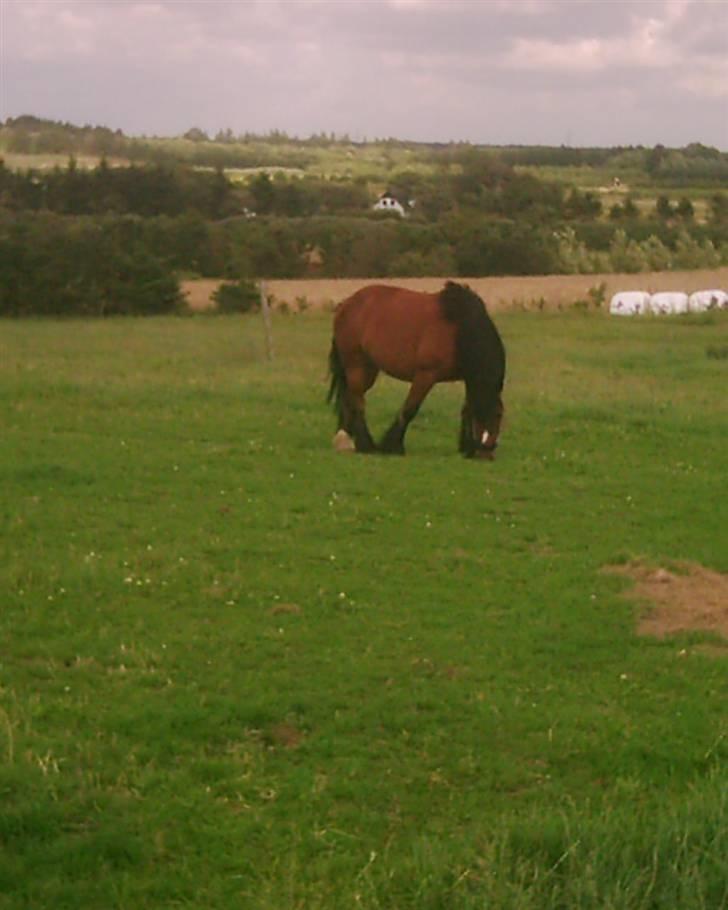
(115, 239)
(481, 184)
(125, 264)
(694, 164)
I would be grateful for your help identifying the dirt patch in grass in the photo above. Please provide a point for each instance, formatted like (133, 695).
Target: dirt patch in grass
(284, 736)
(687, 598)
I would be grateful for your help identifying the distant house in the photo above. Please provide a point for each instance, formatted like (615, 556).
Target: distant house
(387, 203)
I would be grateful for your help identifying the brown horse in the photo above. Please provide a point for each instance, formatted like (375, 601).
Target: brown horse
(422, 339)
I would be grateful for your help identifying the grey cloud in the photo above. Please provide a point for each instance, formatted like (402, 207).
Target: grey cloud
(539, 71)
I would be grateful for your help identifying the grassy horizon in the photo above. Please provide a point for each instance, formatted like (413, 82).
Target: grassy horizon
(240, 670)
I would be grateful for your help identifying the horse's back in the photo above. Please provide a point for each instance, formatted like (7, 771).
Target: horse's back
(401, 331)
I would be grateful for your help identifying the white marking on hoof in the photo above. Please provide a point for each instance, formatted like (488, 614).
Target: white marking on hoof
(343, 442)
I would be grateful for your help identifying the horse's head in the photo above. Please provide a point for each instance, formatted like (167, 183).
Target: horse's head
(479, 439)
(481, 362)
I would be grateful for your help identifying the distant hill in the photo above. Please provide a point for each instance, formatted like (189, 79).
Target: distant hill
(330, 155)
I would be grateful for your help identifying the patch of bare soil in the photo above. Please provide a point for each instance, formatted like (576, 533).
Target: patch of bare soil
(690, 598)
(285, 736)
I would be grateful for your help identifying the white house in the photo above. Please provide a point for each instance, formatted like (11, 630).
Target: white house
(387, 203)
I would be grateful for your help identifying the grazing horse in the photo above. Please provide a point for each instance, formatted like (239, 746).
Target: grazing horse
(422, 339)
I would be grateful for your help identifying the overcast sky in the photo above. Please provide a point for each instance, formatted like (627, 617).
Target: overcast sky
(574, 72)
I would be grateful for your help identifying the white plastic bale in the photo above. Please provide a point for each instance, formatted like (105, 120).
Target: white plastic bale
(714, 299)
(629, 303)
(668, 302)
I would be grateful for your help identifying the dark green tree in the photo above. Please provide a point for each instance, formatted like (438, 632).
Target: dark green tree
(685, 209)
(664, 208)
(263, 193)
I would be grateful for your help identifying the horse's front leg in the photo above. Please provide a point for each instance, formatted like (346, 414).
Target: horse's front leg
(393, 440)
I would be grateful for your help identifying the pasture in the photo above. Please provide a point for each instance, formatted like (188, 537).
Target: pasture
(240, 670)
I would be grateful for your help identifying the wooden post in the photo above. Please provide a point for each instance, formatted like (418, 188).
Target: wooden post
(265, 310)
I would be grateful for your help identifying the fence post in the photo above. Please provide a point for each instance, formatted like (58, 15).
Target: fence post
(265, 310)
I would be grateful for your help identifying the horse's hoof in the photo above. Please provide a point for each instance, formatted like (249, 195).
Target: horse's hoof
(343, 442)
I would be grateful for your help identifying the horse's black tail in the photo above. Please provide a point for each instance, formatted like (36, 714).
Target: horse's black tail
(480, 352)
(337, 386)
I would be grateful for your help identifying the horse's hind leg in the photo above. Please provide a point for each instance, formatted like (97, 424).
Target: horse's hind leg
(359, 379)
(393, 441)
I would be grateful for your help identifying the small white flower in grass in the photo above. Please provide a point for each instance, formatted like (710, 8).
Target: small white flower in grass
(342, 595)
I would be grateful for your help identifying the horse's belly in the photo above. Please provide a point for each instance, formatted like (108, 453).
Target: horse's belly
(413, 352)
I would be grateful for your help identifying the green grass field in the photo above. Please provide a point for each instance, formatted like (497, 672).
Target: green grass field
(239, 670)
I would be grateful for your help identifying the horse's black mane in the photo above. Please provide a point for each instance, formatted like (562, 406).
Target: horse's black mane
(480, 351)
(459, 301)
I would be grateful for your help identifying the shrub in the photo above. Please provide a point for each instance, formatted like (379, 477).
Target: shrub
(690, 253)
(627, 255)
(659, 257)
(573, 255)
(237, 297)
(51, 266)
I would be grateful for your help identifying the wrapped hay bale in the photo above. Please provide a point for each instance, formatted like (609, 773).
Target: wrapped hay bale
(700, 301)
(629, 303)
(668, 302)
